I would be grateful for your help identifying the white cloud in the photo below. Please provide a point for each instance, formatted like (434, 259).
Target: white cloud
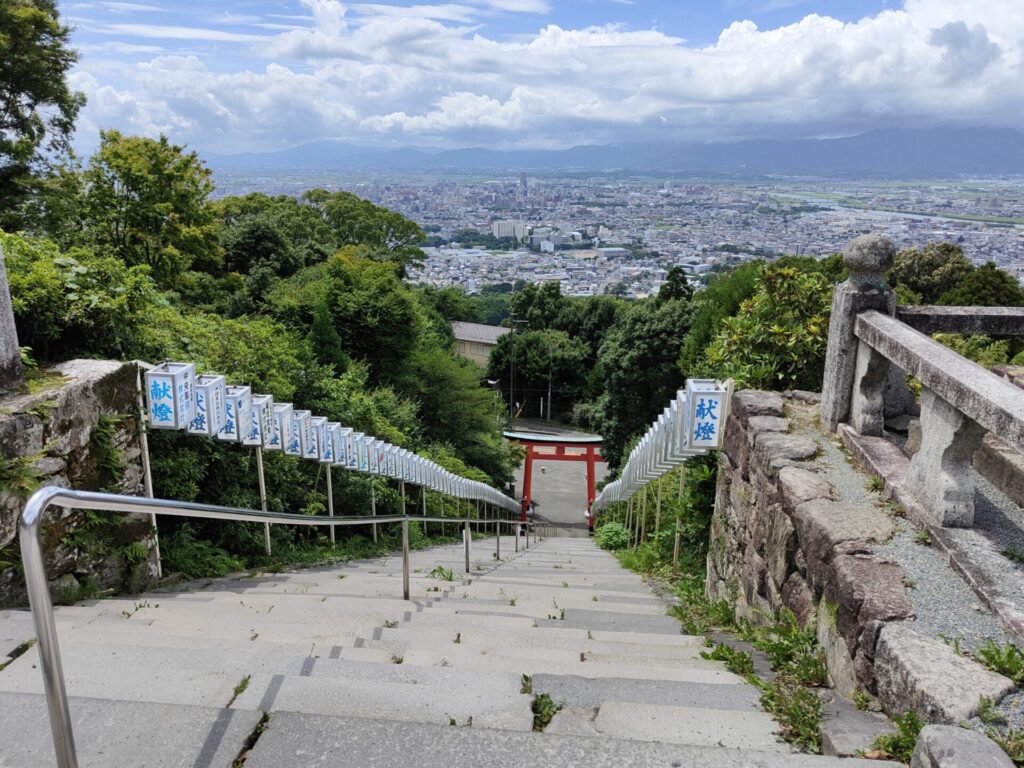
(162, 32)
(424, 73)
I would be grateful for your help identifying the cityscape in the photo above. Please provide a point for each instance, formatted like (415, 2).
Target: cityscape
(621, 234)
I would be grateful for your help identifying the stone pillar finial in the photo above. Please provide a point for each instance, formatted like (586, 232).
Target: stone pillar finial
(867, 258)
(11, 375)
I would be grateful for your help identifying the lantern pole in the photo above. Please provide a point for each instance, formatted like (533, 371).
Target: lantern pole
(147, 472)
(263, 497)
(330, 501)
(373, 507)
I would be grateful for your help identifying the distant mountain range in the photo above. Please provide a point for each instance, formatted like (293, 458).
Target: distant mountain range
(891, 152)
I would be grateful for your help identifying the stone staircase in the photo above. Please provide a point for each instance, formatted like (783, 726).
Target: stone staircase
(353, 676)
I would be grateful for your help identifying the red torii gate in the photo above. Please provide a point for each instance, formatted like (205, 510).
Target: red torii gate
(553, 448)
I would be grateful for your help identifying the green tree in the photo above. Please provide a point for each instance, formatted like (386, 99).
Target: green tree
(539, 355)
(256, 240)
(676, 287)
(922, 276)
(146, 201)
(538, 308)
(74, 303)
(721, 299)
(451, 303)
(986, 286)
(37, 107)
(637, 370)
(778, 337)
(325, 340)
(389, 236)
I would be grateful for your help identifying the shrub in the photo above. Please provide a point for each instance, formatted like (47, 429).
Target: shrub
(612, 536)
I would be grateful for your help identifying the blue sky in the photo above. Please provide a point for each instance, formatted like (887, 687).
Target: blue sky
(265, 74)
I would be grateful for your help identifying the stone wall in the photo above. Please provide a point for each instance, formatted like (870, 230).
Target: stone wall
(49, 436)
(780, 538)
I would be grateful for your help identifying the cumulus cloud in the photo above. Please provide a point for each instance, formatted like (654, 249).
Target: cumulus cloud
(378, 73)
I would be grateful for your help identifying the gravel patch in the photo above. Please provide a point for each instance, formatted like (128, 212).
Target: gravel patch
(944, 604)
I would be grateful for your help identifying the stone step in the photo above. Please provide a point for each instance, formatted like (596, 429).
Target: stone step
(436, 702)
(342, 742)
(125, 734)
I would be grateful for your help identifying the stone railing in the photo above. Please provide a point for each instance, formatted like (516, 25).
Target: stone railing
(873, 345)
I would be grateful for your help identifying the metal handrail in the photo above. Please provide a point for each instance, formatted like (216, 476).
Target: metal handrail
(39, 593)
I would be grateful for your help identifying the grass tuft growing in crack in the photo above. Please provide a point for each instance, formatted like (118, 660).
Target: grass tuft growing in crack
(544, 711)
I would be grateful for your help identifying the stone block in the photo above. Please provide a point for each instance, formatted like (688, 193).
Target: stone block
(948, 746)
(780, 546)
(775, 450)
(919, 673)
(822, 525)
(758, 424)
(846, 730)
(840, 667)
(752, 402)
(865, 589)
(735, 445)
(798, 485)
(797, 596)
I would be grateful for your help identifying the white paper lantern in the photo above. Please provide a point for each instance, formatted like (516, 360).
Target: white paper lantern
(210, 397)
(170, 394)
(261, 418)
(280, 427)
(706, 401)
(237, 411)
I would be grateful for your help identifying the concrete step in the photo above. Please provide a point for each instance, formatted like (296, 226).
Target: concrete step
(550, 635)
(124, 734)
(745, 729)
(335, 742)
(413, 635)
(556, 663)
(574, 691)
(530, 605)
(612, 621)
(437, 702)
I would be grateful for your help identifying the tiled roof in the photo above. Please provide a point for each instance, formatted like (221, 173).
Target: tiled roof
(481, 334)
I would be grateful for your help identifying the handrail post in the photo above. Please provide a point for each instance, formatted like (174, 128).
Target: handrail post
(46, 630)
(515, 533)
(466, 537)
(405, 559)
(497, 538)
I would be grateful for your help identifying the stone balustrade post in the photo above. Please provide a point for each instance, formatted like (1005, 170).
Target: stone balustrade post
(11, 375)
(867, 258)
(867, 398)
(939, 475)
